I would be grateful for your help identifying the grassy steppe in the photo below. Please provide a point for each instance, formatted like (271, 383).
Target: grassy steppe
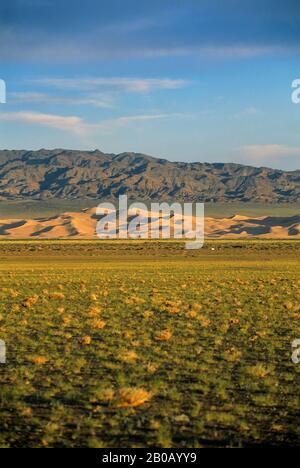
(144, 344)
(53, 207)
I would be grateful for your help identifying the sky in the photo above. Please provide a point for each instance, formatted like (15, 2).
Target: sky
(185, 80)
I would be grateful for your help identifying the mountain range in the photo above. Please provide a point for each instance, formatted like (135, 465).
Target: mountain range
(69, 174)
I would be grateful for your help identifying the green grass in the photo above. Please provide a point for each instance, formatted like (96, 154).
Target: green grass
(46, 208)
(42, 208)
(225, 210)
(202, 340)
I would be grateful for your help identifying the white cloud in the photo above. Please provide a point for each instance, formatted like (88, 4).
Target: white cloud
(123, 121)
(135, 85)
(265, 152)
(219, 52)
(34, 97)
(248, 112)
(38, 45)
(77, 125)
(70, 123)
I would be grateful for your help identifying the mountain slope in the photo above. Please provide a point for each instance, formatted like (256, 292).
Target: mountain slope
(66, 174)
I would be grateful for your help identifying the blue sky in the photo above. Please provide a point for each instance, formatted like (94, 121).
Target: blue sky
(186, 80)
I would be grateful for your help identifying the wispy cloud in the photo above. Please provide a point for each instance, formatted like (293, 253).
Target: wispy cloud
(271, 151)
(219, 52)
(35, 97)
(93, 30)
(38, 47)
(78, 125)
(71, 123)
(248, 112)
(126, 120)
(135, 85)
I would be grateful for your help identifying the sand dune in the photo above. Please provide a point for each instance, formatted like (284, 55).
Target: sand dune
(83, 225)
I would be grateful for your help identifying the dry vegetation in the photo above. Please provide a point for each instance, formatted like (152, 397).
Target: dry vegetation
(146, 344)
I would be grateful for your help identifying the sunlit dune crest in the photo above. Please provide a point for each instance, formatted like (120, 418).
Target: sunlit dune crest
(83, 225)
